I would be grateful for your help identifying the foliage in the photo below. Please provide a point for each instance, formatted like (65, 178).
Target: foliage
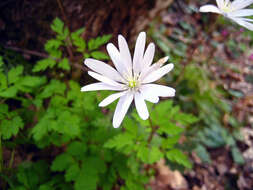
(199, 94)
(48, 114)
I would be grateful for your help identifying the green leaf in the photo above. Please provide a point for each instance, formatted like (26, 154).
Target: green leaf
(14, 74)
(11, 127)
(237, 155)
(76, 35)
(170, 129)
(143, 153)
(203, 154)
(76, 148)
(99, 55)
(54, 87)
(57, 26)
(62, 162)
(42, 127)
(32, 81)
(155, 155)
(44, 64)
(9, 92)
(149, 155)
(68, 124)
(3, 109)
(94, 44)
(72, 172)
(88, 177)
(119, 141)
(64, 64)
(176, 155)
(1, 62)
(52, 44)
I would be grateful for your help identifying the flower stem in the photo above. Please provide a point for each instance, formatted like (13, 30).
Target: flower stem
(153, 130)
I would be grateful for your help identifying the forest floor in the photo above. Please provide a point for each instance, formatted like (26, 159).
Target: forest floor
(25, 30)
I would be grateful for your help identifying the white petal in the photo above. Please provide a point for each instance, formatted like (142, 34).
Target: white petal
(148, 56)
(115, 56)
(153, 67)
(104, 79)
(111, 98)
(125, 53)
(240, 4)
(210, 8)
(121, 109)
(155, 75)
(103, 69)
(160, 90)
(241, 13)
(226, 2)
(141, 106)
(220, 3)
(149, 94)
(244, 22)
(99, 86)
(138, 52)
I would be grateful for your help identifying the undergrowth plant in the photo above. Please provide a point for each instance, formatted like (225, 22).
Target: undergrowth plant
(71, 141)
(200, 94)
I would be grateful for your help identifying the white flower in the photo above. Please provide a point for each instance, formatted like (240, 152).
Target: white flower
(131, 78)
(233, 10)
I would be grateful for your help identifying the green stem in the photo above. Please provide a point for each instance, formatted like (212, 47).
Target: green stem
(12, 158)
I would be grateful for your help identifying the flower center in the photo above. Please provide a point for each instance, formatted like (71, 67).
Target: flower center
(132, 83)
(227, 8)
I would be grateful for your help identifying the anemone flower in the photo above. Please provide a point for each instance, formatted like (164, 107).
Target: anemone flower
(132, 78)
(233, 10)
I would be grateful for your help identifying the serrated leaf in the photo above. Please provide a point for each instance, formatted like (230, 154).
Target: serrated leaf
(94, 44)
(76, 148)
(54, 87)
(57, 26)
(68, 124)
(78, 41)
(32, 81)
(143, 154)
(9, 92)
(76, 35)
(14, 74)
(52, 44)
(99, 55)
(11, 127)
(62, 162)
(72, 172)
(64, 64)
(185, 119)
(149, 155)
(176, 155)
(88, 177)
(44, 64)
(119, 141)
(170, 129)
(155, 155)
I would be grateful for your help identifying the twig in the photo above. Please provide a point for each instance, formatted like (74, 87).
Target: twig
(38, 54)
(42, 55)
